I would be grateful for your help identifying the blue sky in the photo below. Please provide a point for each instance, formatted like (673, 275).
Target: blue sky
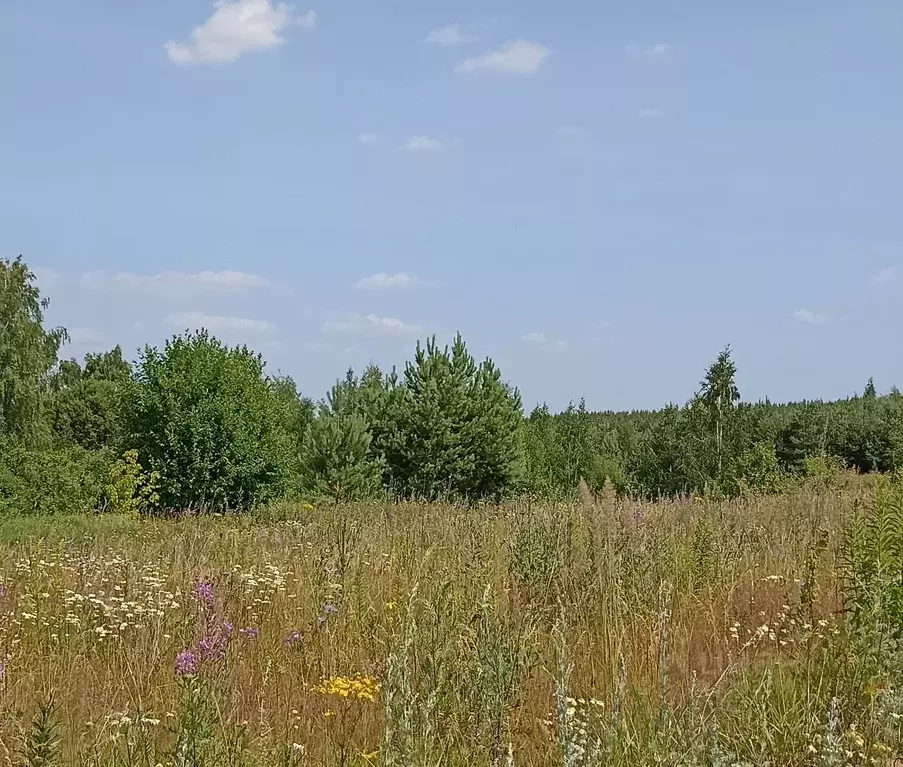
(598, 195)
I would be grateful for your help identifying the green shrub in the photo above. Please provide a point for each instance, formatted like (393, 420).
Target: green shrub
(66, 480)
(130, 490)
(204, 417)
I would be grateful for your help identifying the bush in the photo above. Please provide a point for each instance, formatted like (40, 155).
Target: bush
(129, 490)
(204, 417)
(67, 480)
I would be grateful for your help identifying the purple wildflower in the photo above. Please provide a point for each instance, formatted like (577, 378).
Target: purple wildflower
(213, 646)
(3, 591)
(329, 608)
(249, 633)
(186, 664)
(203, 591)
(294, 638)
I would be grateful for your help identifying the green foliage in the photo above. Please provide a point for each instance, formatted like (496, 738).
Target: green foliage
(805, 434)
(718, 394)
(42, 741)
(455, 425)
(27, 352)
(336, 458)
(64, 480)
(298, 411)
(558, 451)
(130, 490)
(85, 405)
(204, 417)
(873, 580)
(754, 470)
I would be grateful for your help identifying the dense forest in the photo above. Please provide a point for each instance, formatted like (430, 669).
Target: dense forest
(201, 425)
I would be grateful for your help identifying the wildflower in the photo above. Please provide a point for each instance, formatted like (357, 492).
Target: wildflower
(329, 608)
(294, 638)
(391, 606)
(203, 592)
(211, 647)
(357, 687)
(299, 748)
(186, 664)
(249, 633)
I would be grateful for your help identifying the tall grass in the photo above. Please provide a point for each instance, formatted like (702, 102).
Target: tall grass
(601, 632)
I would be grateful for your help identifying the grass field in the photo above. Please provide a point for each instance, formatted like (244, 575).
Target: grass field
(602, 632)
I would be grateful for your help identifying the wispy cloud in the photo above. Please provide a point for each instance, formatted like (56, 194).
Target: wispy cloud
(372, 325)
(884, 276)
(651, 114)
(533, 338)
(808, 317)
(195, 320)
(385, 281)
(646, 50)
(367, 138)
(569, 130)
(452, 34)
(236, 27)
(422, 144)
(173, 282)
(518, 57)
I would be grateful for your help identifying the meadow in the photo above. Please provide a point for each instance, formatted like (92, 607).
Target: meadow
(601, 631)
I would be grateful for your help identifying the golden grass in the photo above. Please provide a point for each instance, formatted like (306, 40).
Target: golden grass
(427, 634)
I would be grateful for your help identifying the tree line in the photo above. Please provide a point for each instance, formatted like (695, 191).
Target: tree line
(198, 424)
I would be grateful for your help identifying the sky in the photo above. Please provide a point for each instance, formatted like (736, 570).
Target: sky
(599, 196)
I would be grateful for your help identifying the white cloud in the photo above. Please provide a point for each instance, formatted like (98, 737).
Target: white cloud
(384, 281)
(194, 320)
(651, 114)
(654, 51)
(166, 283)
(519, 57)
(808, 317)
(367, 138)
(569, 130)
(236, 27)
(453, 34)
(884, 276)
(372, 325)
(534, 338)
(422, 144)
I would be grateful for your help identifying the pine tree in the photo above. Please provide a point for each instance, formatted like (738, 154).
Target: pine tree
(455, 426)
(336, 458)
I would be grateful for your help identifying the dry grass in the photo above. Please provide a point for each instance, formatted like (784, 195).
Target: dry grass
(676, 633)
